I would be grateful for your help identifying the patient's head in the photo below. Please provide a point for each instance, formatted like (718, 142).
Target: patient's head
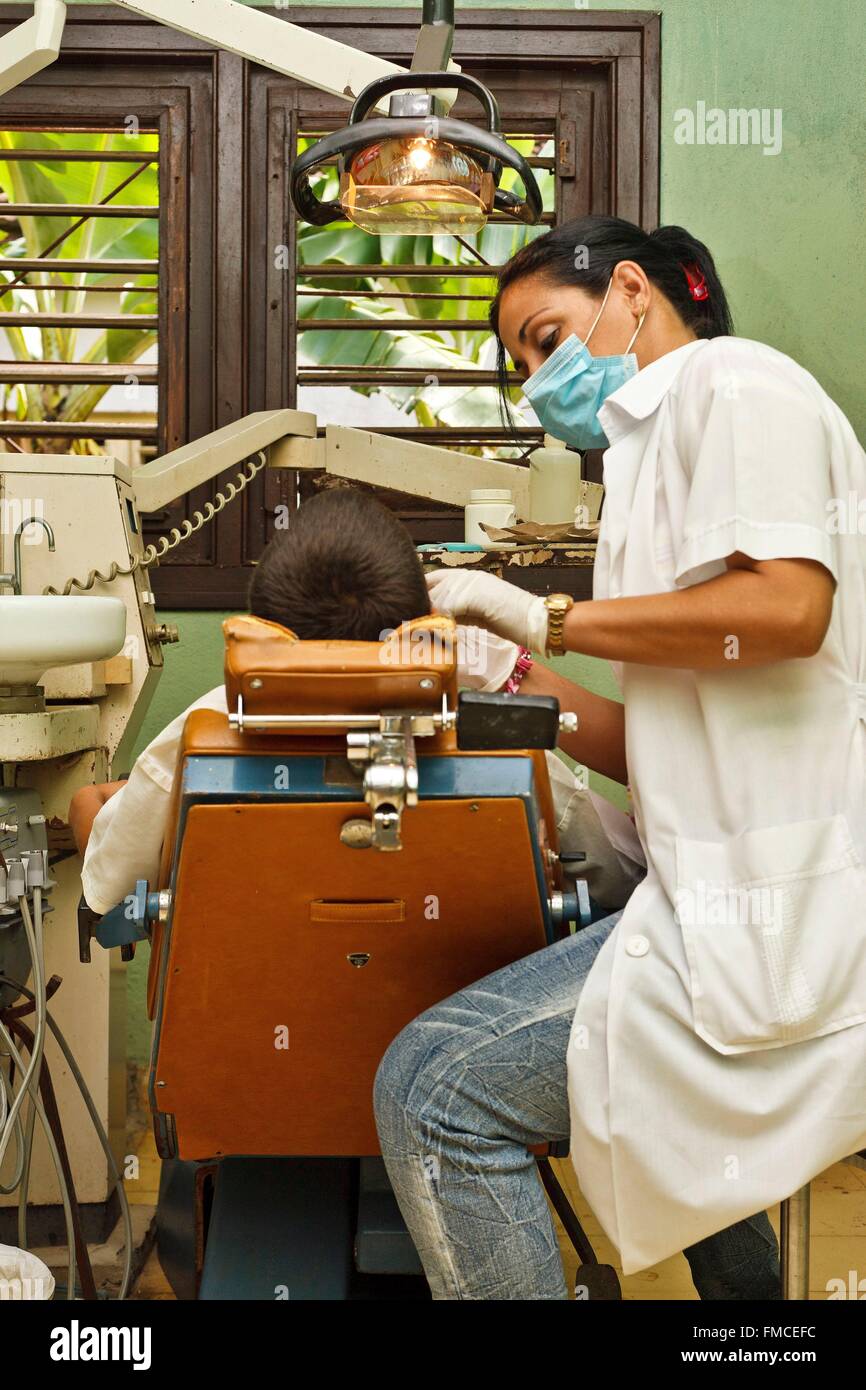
(346, 568)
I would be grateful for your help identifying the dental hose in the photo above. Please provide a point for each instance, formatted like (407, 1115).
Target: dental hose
(30, 1077)
(11, 1105)
(85, 1287)
(36, 1102)
(38, 1046)
(117, 1180)
(29, 1086)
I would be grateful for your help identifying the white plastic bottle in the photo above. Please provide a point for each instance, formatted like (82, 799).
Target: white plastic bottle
(554, 483)
(495, 507)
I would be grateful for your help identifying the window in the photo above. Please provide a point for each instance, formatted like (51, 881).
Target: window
(256, 313)
(79, 259)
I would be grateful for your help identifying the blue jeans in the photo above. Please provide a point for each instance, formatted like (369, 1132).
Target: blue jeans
(459, 1095)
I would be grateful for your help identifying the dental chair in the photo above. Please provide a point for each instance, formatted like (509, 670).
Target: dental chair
(353, 843)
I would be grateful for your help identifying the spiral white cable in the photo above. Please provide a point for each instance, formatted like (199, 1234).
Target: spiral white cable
(152, 554)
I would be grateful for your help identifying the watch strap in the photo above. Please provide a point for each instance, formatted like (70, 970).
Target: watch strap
(557, 606)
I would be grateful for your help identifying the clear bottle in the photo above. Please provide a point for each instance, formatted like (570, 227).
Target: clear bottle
(554, 483)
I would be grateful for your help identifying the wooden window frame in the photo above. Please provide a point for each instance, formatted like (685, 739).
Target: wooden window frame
(226, 337)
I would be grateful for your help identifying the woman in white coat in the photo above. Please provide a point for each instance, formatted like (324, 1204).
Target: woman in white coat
(706, 1048)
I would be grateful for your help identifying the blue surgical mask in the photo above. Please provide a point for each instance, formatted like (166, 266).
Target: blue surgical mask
(570, 388)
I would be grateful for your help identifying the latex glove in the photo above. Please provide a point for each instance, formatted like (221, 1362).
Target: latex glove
(484, 660)
(478, 598)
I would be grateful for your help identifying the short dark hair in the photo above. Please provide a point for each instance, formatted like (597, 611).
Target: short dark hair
(345, 568)
(662, 254)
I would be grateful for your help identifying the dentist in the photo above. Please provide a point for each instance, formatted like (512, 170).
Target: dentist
(705, 1048)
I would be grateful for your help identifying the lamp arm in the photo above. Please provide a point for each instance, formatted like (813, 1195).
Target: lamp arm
(261, 38)
(311, 58)
(33, 45)
(435, 38)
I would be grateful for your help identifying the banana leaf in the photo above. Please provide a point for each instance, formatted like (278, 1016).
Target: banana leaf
(55, 179)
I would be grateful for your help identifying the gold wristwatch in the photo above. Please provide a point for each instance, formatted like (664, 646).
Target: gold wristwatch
(557, 606)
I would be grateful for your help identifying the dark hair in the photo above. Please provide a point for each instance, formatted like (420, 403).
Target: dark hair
(345, 568)
(585, 252)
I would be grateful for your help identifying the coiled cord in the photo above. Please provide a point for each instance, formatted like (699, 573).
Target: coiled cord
(153, 554)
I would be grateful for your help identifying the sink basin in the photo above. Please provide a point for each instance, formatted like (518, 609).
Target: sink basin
(40, 631)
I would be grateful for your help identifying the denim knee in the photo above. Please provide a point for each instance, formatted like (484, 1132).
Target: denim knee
(387, 1086)
(739, 1263)
(396, 1088)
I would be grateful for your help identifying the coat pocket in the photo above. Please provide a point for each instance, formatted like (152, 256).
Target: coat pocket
(774, 926)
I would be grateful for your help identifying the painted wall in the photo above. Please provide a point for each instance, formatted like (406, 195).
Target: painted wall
(786, 229)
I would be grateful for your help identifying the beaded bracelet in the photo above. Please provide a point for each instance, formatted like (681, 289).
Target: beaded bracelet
(523, 664)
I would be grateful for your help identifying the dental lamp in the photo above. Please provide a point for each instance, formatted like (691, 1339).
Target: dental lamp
(414, 170)
(417, 171)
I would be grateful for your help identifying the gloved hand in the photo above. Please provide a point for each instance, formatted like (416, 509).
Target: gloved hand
(484, 660)
(477, 598)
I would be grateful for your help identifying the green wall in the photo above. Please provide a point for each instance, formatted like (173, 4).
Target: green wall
(786, 231)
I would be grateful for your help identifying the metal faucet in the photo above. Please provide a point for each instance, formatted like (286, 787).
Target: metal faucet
(14, 579)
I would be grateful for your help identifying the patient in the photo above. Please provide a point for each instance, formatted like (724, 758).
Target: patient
(346, 569)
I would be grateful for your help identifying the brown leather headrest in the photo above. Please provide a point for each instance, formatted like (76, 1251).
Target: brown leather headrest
(277, 673)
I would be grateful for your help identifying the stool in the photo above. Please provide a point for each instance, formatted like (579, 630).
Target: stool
(794, 1240)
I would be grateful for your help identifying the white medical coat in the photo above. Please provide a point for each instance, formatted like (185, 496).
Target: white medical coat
(718, 1054)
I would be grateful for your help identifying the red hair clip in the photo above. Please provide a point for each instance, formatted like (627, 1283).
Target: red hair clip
(697, 283)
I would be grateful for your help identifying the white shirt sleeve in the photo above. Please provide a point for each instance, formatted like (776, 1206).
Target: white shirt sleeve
(126, 838)
(125, 842)
(754, 443)
(588, 824)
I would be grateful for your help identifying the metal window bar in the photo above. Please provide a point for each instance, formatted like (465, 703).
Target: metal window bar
(75, 374)
(50, 155)
(91, 289)
(30, 274)
(85, 210)
(398, 376)
(96, 266)
(402, 272)
(75, 429)
(61, 320)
